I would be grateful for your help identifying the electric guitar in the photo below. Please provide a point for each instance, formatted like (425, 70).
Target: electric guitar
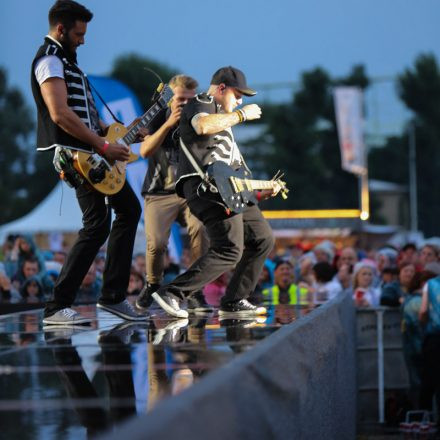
(236, 190)
(109, 178)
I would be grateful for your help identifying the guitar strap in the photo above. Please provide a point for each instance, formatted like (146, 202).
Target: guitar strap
(102, 100)
(205, 179)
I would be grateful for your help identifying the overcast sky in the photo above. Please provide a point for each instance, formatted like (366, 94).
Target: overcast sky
(272, 41)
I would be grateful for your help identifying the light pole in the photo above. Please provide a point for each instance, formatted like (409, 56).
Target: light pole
(412, 177)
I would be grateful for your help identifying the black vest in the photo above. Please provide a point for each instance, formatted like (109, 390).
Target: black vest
(79, 99)
(205, 149)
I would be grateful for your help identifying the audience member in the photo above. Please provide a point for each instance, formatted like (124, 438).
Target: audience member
(408, 255)
(428, 254)
(413, 333)
(214, 291)
(31, 290)
(284, 291)
(364, 292)
(430, 316)
(324, 252)
(393, 294)
(135, 283)
(90, 287)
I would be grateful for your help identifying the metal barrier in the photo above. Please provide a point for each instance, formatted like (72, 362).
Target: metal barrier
(300, 383)
(380, 361)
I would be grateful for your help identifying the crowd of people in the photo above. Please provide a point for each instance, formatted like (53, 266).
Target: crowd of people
(406, 279)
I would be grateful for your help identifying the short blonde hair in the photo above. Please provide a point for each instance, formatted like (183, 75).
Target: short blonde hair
(183, 81)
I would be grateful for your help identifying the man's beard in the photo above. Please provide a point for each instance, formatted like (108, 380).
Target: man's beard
(67, 46)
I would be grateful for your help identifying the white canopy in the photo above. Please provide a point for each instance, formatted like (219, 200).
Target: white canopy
(58, 212)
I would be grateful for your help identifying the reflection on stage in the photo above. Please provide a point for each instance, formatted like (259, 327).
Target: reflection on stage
(74, 383)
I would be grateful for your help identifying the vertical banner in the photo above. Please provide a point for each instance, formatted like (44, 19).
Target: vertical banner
(348, 103)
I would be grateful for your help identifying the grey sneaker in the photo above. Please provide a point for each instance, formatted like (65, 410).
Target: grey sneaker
(124, 310)
(66, 317)
(170, 304)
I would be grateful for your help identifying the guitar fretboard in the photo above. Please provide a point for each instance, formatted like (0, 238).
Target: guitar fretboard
(148, 116)
(259, 184)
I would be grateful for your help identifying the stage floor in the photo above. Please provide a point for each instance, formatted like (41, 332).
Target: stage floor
(74, 383)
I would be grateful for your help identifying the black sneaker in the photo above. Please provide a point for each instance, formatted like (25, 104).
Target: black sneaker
(240, 308)
(144, 299)
(197, 304)
(170, 304)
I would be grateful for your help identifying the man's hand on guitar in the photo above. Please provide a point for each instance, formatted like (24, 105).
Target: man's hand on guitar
(252, 111)
(117, 152)
(266, 194)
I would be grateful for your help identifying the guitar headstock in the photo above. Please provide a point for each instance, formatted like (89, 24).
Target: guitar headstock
(166, 94)
(279, 186)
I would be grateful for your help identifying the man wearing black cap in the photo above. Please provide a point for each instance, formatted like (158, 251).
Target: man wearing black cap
(237, 241)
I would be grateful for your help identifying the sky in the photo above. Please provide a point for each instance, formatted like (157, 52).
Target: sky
(271, 41)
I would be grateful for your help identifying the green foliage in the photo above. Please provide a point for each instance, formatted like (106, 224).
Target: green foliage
(23, 183)
(131, 70)
(419, 88)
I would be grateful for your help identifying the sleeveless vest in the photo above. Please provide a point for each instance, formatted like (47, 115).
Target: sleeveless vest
(79, 99)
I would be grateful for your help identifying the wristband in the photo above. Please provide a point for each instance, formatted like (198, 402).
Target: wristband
(104, 148)
(241, 115)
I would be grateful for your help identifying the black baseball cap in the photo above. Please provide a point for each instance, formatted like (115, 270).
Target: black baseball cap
(232, 77)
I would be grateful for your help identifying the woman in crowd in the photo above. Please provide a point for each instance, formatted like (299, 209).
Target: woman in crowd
(364, 292)
(393, 294)
(32, 291)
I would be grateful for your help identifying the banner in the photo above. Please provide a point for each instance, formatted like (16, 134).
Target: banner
(348, 103)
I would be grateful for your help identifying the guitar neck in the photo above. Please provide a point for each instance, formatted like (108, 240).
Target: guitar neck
(259, 184)
(249, 184)
(144, 121)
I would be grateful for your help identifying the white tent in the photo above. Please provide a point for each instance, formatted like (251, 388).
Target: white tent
(58, 212)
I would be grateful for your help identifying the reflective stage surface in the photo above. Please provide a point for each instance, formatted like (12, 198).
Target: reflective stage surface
(74, 383)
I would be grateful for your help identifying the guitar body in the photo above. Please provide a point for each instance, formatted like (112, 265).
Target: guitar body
(109, 178)
(235, 199)
(104, 177)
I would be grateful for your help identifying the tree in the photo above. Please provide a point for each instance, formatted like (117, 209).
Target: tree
(301, 140)
(132, 70)
(419, 89)
(24, 181)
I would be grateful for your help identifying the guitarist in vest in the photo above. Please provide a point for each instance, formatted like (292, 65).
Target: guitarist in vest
(237, 241)
(67, 117)
(162, 205)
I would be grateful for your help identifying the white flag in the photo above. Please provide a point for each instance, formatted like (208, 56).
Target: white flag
(348, 108)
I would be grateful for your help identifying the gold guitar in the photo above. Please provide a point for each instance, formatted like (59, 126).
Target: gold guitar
(109, 178)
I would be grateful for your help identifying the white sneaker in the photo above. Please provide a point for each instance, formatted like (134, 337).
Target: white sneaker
(170, 304)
